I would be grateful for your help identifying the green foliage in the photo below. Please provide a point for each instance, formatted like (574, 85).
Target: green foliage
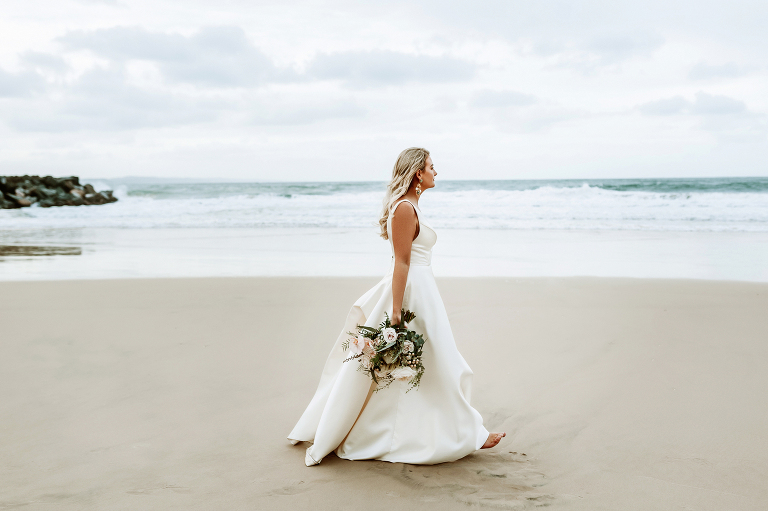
(372, 332)
(393, 351)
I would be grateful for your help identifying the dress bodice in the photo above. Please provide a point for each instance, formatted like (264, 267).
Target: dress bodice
(421, 247)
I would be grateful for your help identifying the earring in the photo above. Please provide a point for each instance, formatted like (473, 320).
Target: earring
(418, 187)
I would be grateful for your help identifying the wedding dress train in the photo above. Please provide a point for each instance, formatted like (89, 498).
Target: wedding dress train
(432, 424)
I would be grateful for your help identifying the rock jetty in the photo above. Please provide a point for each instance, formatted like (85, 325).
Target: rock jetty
(24, 191)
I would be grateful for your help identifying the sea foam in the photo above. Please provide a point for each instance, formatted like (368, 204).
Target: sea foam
(648, 205)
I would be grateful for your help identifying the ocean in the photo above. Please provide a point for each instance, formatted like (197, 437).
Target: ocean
(711, 204)
(713, 228)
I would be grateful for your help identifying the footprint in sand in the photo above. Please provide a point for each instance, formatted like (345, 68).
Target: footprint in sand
(294, 487)
(498, 480)
(168, 487)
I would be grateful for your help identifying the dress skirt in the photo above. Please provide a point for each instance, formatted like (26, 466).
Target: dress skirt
(434, 423)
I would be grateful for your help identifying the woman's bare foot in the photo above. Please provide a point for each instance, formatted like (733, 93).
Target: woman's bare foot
(493, 440)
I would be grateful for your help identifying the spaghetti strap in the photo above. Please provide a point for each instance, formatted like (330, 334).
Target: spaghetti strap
(415, 207)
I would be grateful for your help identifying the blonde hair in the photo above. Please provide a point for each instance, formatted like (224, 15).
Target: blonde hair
(408, 163)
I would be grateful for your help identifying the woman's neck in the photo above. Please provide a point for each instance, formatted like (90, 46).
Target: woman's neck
(412, 196)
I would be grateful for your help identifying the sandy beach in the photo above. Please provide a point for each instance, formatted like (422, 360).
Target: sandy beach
(616, 394)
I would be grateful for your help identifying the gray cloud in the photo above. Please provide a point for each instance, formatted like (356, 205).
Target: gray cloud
(668, 106)
(704, 104)
(588, 54)
(702, 71)
(44, 61)
(708, 104)
(381, 67)
(617, 47)
(215, 56)
(728, 118)
(563, 23)
(293, 113)
(20, 84)
(535, 117)
(102, 100)
(504, 109)
(496, 99)
(584, 35)
(223, 57)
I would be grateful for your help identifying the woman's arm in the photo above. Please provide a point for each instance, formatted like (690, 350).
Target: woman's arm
(404, 225)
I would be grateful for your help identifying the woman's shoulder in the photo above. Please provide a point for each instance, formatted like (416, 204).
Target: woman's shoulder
(399, 202)
(404, 216)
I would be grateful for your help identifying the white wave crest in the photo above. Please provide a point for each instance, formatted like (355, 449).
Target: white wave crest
(584, 207)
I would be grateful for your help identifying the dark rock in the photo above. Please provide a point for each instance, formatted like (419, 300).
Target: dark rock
(95, 199)
(41, 192)
(50, 182)
(10, 183)
(48, 191)
(5, 187)
(20, 201)
(6, 204)
(73, 181)
(34, 192)
(36, 250)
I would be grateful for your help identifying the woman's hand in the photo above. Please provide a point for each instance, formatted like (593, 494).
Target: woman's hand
(397, 318)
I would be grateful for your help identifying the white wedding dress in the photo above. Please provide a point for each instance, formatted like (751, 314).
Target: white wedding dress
(432, 424)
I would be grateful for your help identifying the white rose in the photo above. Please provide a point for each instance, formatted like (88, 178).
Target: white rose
(407, 347)
(403, 373)
(389, 334)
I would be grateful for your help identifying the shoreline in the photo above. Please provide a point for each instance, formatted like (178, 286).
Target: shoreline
(178, 394)
(188, 252)
(373, 279)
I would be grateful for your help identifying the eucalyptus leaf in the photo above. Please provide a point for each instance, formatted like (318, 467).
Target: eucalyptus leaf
(386, 346)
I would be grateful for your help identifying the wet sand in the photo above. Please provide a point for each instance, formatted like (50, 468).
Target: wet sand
(620, 394)
(104, 253)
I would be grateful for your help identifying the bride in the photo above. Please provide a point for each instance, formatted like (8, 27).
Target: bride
(432, 424)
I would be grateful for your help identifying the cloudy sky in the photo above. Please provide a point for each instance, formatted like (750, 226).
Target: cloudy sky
(334, 89)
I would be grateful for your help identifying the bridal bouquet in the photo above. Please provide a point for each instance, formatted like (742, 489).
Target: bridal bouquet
(388, 353)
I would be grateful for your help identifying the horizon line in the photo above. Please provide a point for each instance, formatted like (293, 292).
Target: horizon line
(236, 180)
